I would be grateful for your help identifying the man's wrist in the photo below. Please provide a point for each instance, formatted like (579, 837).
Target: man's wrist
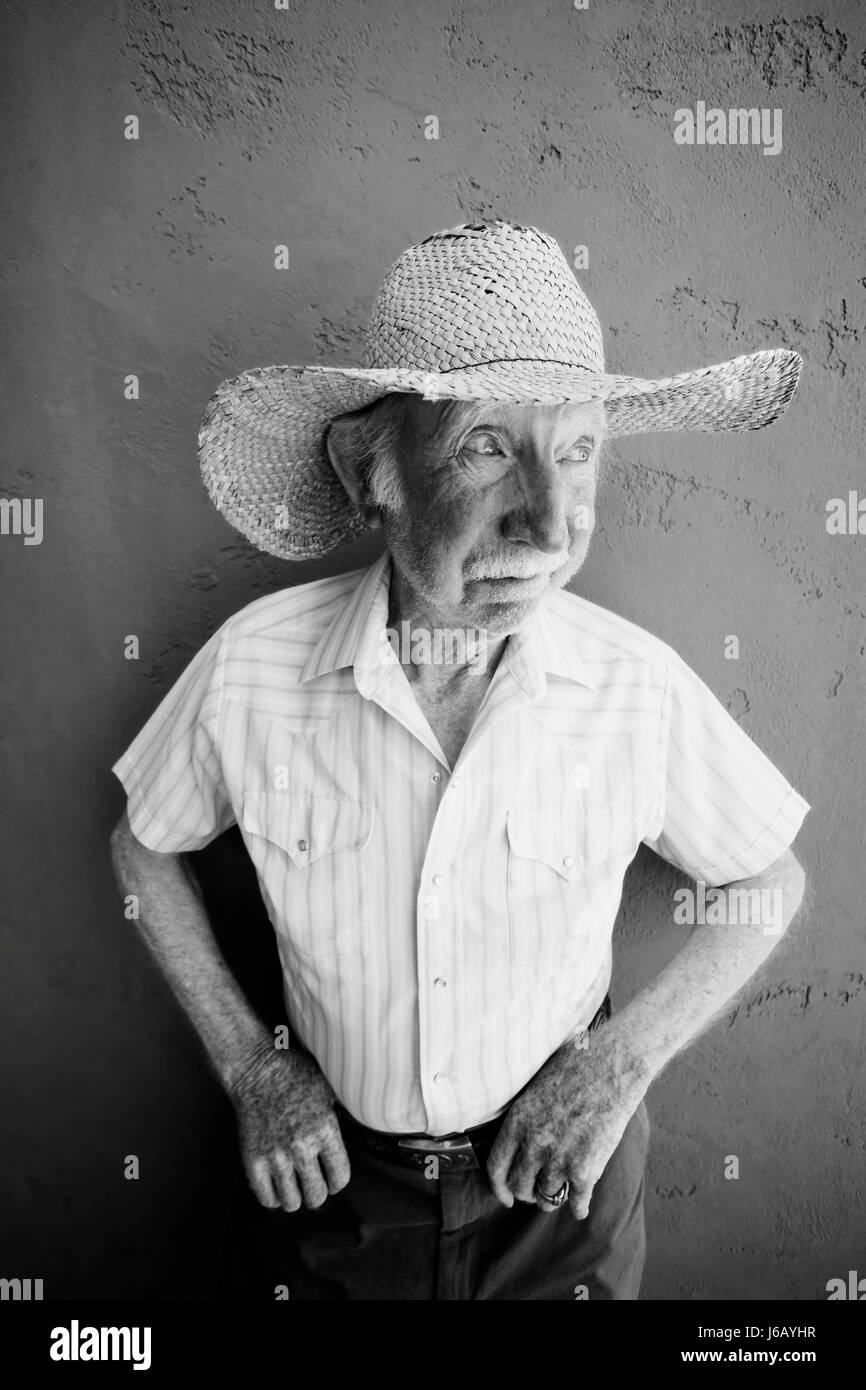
(629, 1060)
(247, 1062)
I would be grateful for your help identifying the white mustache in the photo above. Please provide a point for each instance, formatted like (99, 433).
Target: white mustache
(515, 566)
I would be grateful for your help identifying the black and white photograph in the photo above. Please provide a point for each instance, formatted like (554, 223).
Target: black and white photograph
(432, 527)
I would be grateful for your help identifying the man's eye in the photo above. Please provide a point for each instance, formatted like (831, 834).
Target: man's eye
(582, 454)
(483, 444)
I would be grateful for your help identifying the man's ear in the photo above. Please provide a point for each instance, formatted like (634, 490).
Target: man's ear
(340, 437)
(341, 442)
(605, 451)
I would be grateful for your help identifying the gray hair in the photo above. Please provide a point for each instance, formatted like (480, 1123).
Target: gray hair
(373, 437)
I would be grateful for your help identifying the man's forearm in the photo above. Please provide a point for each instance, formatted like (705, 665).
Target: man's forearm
(703, 977)
(175, 926)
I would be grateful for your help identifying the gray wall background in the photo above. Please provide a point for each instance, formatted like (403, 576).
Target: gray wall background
(305, 127)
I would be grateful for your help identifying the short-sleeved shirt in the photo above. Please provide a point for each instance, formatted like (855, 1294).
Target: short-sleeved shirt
(443, 930)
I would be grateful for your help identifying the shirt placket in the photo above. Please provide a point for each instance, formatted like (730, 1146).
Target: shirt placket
(435, 921)
(440, 906)
(439, 901)
(439, 985)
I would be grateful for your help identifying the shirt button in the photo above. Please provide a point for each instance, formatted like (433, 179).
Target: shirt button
(436, 777)
(440, 1076)
(568, 860)
(439, 982)
(438, 880)
(302, 844)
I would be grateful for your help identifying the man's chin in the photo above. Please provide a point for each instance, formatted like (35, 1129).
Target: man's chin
(505, 607)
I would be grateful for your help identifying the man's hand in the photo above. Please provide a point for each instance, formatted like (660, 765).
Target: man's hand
(566, 1123)
(291, 1146)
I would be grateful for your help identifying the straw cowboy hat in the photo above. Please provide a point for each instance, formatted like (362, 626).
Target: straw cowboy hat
(488, 311)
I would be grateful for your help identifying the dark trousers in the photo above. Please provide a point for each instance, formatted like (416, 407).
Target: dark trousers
(394, 1234)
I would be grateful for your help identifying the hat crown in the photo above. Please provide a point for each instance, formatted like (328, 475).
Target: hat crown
(478, 293)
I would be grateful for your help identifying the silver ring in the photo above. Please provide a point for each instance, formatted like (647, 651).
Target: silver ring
(559, 1197)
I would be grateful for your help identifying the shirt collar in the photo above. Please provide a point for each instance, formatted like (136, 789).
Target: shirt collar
(354, 636)
(544, 646)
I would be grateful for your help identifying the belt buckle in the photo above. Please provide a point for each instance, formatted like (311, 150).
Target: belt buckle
(452, 1152)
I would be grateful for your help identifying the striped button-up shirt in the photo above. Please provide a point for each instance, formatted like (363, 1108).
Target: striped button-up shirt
(443, 930)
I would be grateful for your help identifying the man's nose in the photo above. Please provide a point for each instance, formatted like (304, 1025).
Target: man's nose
(541, 519)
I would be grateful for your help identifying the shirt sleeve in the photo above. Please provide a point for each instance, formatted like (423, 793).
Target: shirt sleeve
(171, 772)
(726, 812)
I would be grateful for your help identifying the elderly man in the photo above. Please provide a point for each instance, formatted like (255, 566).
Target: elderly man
(441, 767)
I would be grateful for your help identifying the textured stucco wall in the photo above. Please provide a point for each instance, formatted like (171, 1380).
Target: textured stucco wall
(305, 127)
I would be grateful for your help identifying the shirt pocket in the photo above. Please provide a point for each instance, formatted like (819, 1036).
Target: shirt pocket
(310, 854)
(562, 866)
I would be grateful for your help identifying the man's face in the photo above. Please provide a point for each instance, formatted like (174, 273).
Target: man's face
(499, 505)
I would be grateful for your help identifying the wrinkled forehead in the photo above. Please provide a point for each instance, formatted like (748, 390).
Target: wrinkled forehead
(442, 421)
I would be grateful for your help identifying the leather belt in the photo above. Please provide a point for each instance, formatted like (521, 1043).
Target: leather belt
(456, 1152)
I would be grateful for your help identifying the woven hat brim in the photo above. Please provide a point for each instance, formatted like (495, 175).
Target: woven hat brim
(266, 469)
